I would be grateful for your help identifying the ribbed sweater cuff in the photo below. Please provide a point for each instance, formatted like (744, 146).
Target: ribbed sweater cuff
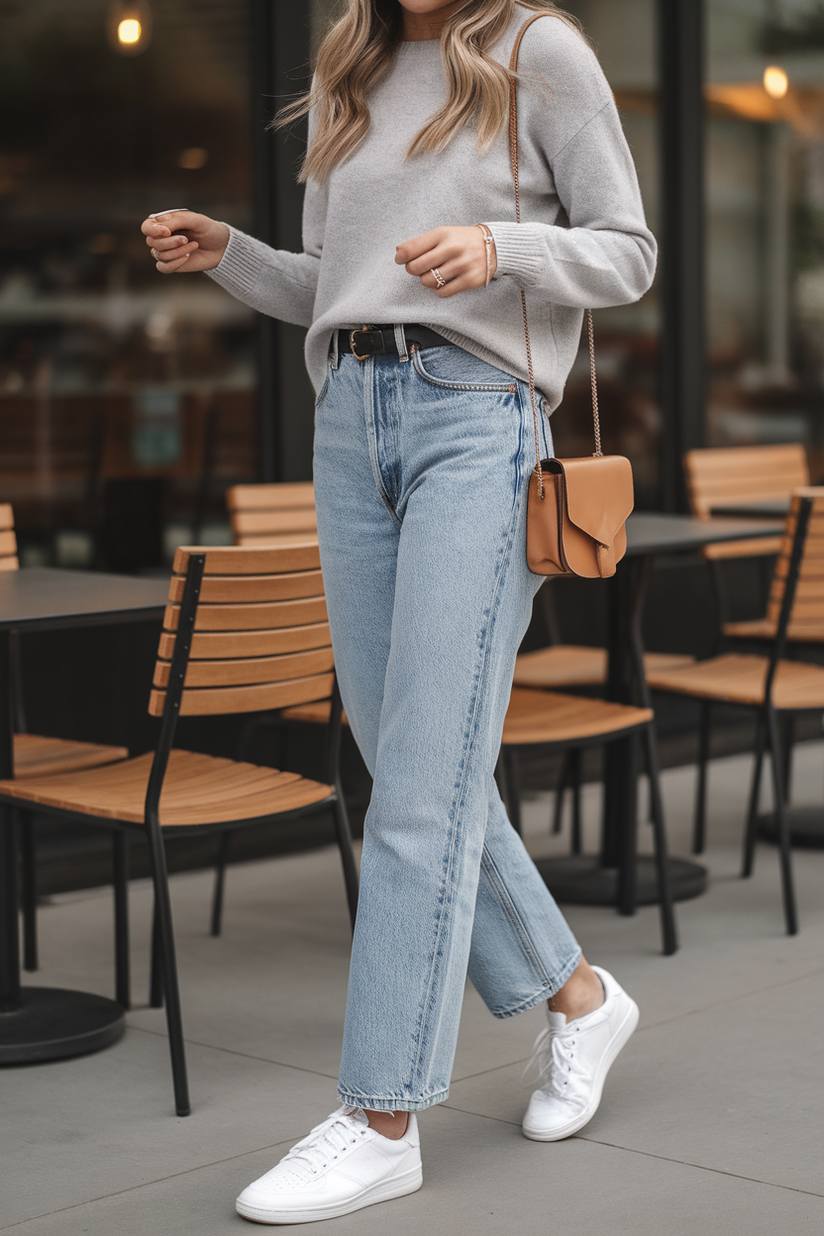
(516, 251)
(238, 269)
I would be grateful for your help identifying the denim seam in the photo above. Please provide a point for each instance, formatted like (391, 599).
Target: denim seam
(511, 912)
(544, 993)
(471, 735)
(495, 387)
(372, 434)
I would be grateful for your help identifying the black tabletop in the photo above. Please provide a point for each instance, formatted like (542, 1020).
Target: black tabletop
(38, 598)
(653, 532)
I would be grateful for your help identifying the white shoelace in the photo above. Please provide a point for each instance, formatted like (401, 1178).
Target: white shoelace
(554, 1056)
(327, 1141)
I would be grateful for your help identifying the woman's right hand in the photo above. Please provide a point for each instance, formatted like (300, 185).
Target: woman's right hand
(180, 240)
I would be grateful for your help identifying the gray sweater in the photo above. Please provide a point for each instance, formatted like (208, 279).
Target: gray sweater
(583, 241)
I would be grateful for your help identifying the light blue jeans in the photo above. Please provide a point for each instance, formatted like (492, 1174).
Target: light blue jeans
(421, 474)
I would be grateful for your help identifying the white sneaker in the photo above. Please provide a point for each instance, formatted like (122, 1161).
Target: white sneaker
(341, 1166)
(575, 1057)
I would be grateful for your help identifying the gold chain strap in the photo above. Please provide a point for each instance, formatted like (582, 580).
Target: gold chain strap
(513, 156)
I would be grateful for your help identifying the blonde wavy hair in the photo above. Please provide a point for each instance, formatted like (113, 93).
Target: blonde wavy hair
(357, 52)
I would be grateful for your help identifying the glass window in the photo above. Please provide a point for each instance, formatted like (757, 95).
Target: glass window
(127, 400)
(765, 180)
(627, 337)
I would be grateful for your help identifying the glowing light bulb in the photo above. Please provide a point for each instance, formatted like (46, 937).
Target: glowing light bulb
(129, 31)
(776, 82)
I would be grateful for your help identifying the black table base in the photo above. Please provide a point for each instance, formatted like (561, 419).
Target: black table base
(806, 827)
(53, 1023)
(579, 879)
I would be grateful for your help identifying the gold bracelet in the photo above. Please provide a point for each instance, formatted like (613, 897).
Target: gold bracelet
(489, 241)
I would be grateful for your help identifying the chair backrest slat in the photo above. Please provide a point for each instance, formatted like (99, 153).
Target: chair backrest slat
(8, 541)
(719, 475)
(251, 588)
(252, 617)
(249, 651)
(808, 603)
(262, 514)
(217, 645)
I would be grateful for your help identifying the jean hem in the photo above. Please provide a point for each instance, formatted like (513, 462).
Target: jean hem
(374, 1104)
(547, 991)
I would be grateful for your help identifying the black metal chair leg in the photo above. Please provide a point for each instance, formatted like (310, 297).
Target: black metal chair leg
(514, 779)
(750, 828)
(347, 854)
(120, 883)
(669, 932)
(156, 974)
(789, 743)
(699, 831)
(174, 1021)
(560, 794)
(28, 889)
(220, 881)
(628, 842)
(790, 911)
(575, 777)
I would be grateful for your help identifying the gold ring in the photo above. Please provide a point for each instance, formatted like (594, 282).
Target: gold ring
(439, 279)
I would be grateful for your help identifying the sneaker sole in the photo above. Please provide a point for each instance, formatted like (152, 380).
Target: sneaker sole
(383, 1191)
(622, 1034)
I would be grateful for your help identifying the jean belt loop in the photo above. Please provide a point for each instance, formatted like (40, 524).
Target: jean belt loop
(400, 343)
(335, 354)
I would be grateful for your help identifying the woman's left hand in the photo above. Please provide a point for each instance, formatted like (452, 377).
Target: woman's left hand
(457, 253)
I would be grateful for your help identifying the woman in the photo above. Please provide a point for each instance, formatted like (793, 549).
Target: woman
(423, 445)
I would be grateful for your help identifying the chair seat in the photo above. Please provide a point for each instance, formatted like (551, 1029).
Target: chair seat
(549, 717)
(198, 790)
(575, 665)
(738, 679)
(801, 632)
(37, 756)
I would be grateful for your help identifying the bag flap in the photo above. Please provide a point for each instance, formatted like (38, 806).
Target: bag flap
(599, 494)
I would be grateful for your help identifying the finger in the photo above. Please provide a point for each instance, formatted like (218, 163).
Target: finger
(447, 271)
(176, 218)
(149, 227)
(440, 256)
(169, 268)
(463, 283)
(412, 249)
(167, 242)
(171, 255)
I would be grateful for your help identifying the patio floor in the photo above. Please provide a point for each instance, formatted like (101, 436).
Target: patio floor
(711, 1122)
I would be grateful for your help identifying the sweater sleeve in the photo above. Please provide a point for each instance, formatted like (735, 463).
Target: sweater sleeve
(606, 255)
(275, 281)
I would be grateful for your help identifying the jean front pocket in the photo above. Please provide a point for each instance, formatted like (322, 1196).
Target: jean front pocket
(453, 368)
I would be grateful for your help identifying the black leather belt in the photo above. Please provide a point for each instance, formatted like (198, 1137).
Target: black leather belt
(380, 340)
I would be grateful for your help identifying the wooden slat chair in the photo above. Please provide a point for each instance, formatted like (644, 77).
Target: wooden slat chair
(572, 722)
(245, 629)
(37, 756)
(561, 667)
(769, 685)
(272, 514)
(719, 476)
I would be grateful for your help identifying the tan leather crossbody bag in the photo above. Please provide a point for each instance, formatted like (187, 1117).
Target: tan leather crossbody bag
(577, 507)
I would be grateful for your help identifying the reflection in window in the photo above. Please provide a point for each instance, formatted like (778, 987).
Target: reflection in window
(127, 400)
(765, 175)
